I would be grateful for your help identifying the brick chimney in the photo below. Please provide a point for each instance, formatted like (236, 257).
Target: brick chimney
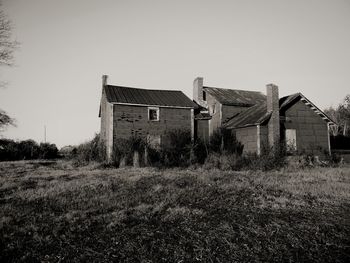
(198, 91)
(273, 108)
(104, 80)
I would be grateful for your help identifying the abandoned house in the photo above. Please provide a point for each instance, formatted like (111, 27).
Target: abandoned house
(147, 113)
(257, 120)
(260, 120)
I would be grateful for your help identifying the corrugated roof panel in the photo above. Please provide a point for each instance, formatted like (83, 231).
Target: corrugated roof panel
(119, 94)
(258, 114)
(236, 97)
(252, 116)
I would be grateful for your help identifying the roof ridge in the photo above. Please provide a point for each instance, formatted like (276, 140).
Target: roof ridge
(124, 87)
(234, 89)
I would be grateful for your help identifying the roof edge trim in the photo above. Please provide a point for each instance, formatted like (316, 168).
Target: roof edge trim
(150, 105)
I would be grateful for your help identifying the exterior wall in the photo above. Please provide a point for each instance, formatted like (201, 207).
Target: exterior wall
(214, 108)
(103, 115)
(133, 120)
(106, 131)
(202, 129)
(311, 129)
(264, 140)
(272, 101)
(248, 137)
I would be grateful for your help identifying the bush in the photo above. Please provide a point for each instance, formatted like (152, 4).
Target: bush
(9, 150)
(223, 161)
(325, 160)
(26, 150)
(29, 149)
(124, 149)
(269, 159)
(93, 150)
(224, 139)
(200, 150)
(176, 149)
(48, 151)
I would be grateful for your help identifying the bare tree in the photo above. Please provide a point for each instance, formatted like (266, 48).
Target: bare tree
(7, 44)
(5, 120)
(341, 116)
(344, 111)
(7, 48)
(335, 116)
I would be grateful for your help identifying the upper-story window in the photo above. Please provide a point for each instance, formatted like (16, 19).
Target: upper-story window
(213, 109)
(204, 95)
(153, 113)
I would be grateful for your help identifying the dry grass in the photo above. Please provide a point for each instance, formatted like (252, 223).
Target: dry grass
(53, 212)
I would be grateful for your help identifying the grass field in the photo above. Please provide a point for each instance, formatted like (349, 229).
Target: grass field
(53, 212)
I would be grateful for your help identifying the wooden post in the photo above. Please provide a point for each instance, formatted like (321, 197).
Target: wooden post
(145, 157)
(136, 159)
(122, 162)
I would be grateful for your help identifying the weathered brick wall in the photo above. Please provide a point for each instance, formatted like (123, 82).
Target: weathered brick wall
(133, 120)
(248, 137)
(311, 129)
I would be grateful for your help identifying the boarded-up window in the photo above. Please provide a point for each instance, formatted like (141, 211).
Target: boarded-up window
(291, 140)
(153, 140)
(153, 114)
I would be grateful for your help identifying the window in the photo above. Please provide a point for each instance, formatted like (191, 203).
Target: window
(204, 95)
(213, 109)
(291, 140)
(153, 114)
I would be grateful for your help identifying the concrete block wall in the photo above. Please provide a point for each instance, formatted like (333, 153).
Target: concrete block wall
(248, 137)
(215, 121)
(106, 132)
(264, 141)
(133, 120)
(202, 129)
(311, 129)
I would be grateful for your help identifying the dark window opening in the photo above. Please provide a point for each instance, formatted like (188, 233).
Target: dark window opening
(204, 96)
(153, 114)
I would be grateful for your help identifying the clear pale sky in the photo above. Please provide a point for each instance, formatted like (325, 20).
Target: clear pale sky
(299, 45)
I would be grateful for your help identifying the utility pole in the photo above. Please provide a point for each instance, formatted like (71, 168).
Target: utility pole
(44, 133)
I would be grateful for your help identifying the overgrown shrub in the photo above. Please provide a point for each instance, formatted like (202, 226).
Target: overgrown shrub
(224, 140)
(176, 149)
(270, 158)
(323, 158)
(93, 150)
(48, 151)
(223, 161)
(124, 150)
(201, 150)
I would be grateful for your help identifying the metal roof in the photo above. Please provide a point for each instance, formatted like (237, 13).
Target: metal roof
(258, 114)
(236, 97)
(285, 102)
(127, 95)
(251, 116)
(203, 116)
